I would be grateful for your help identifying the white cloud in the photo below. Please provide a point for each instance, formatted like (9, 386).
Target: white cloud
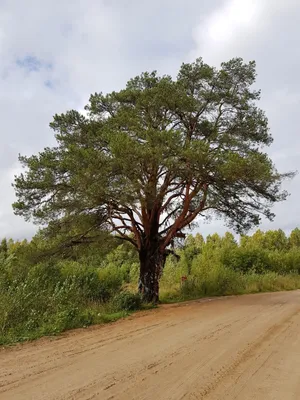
(223, 31)
(236, 15)
(239, 26)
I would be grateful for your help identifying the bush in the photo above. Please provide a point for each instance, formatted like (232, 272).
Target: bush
(52, 296)
(95, 284)
(110, 283)
(127, 301)
(246, 259)
(212, 281)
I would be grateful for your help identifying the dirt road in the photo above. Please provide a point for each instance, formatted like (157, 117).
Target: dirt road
(232, 348)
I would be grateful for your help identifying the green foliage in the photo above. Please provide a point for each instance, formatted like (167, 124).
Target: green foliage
(261, 262)
(53, 297)
(125, 259)
(220, 281)
(49, 297)
(146, 161)
(4, 247)
(127, 301)
(97, 285)
(246, 259)
(110, 281)
(294, 239)
(270, 240)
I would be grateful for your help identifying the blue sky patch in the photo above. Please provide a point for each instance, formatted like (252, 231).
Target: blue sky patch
(49, 84)
(32, 64)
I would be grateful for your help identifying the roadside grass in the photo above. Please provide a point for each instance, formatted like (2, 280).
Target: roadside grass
(22, 319)
(47, 305)
(65, 320)
(226, 284)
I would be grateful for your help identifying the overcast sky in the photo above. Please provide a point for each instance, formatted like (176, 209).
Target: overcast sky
(55, 53)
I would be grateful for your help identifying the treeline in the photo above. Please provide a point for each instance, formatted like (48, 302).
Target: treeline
(43, 291)
(265, 261)
(261, 252)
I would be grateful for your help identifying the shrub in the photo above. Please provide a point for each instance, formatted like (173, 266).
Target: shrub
(246, 259)
(52, 296)
(127, 301)
(95, 284)
(110, 283)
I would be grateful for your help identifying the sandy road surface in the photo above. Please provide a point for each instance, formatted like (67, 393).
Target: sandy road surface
(232, 348)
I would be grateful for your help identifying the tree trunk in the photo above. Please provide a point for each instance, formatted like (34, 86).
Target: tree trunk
(151, 267)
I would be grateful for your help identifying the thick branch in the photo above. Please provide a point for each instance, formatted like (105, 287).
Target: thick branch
(186, 217)
(168, 201)
(167, 218)
(128, 239)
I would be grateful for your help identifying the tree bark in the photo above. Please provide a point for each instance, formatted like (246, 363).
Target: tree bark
(152, 262)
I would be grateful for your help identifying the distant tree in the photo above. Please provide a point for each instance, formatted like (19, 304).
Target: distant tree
(257, 239)
(244, 240)
(269, 240)
(228, 240)
(147, 161)
(294, 239)
(190, 250)
(190, 241)
(4, 247)
(199, 241)
(276, 240)
(214, 241)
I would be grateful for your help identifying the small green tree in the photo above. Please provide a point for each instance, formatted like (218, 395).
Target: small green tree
(148, 160)
(228, 240)
(276, 240)
(294, 239)
(214, 241)
(189, 252)
(199, 241)
(4, 247)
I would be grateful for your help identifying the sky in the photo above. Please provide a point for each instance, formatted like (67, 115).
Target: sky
(55, 54)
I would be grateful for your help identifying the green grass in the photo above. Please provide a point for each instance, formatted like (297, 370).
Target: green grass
(62, 322)
(48, 303)
(228, 283)
(94, 314)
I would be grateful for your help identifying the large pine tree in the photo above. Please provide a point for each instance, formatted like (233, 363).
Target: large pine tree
(148, 160)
